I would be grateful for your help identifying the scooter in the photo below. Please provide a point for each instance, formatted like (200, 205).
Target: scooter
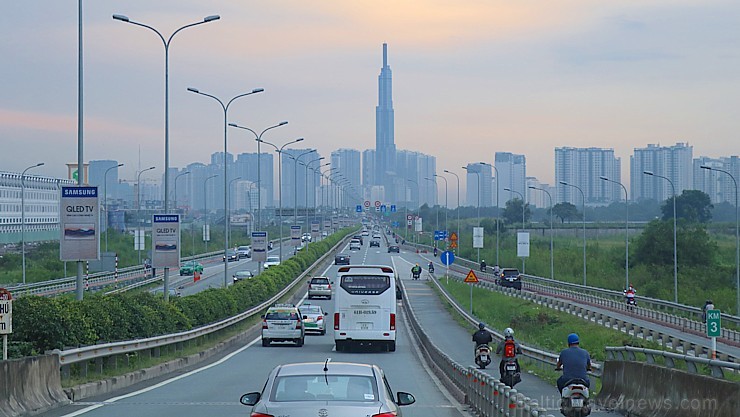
(482, 356)
(510, 376)
(415, 275)
(631, 302)
(431, 268)
(574, 399)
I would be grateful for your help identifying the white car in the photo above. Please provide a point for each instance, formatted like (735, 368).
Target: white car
(282, 323)
(355, 244)
(271, 261)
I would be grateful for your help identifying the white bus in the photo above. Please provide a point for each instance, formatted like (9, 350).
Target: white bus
(365, 307)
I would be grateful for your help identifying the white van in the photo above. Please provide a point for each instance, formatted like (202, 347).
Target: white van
(365, 307)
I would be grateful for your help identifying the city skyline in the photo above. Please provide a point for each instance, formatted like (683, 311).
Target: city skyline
(577, 75)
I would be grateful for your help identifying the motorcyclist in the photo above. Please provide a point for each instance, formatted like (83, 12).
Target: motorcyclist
(708, 305)
(483, 265)
(435, 251)
(496, 270)
(629, 294)
(431, 267)
(575, 363)
(416, 270)
(481, 336)
(510, 348)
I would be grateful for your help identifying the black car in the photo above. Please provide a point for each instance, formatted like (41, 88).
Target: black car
(231, 255)
(394, 248)
(511, 278)
(375, 242)
(341, 259)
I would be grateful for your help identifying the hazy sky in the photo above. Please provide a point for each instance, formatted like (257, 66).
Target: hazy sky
(470, 77)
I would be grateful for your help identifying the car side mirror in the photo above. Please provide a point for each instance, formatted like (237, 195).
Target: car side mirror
(251, 398)
(305, 317)
(404, 398)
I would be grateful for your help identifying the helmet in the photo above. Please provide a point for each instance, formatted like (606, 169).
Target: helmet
(508, 332)
(481, 326)
(709, 301)
(573, 339)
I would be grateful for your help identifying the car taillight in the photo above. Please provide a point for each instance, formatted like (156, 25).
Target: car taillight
(260, 415)
(319, 318)
(391, 414)
(336, 321)
(328, 286)
(393, 322)
(298, 325)
(264, 324)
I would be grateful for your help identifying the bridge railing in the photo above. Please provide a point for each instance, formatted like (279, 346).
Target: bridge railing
(630, 353)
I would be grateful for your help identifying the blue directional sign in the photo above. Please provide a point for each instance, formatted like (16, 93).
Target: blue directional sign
(383, 208)
(358, 208)
(393, 208)
(447, 257)
(396, 224)
(440, 234)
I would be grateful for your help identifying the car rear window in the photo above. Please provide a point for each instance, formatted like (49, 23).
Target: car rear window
(319, 280)
(510, 272)
(281, 315)
(358, 388)
(365, 284)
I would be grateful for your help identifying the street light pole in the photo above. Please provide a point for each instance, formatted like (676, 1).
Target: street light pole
(552, 257)
(522, 197)
(258, 138)
(228, 211)
(626, 230)
(583, 197)
(498, 208)
(314, 188)
(280, 184)
(435, 203)
(138, 213)
(105, 201)
(206, 227)
(175, 182)
(446, 206)
(23, 216)
(737, 237)
(225, 108)
(477, 215)
(458, 202)
(295, 184)
(675, 256)
(417, 194)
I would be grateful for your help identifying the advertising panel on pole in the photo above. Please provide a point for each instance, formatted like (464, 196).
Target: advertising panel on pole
(6, 312)
(259, 246)
(335, 222)
(418, 225)
(206, 232)
(478, 238)
(327, 224)
(79, 224)
(522, 244)
(295, 235)
(139, 239)
(315, 227)
(166, 240)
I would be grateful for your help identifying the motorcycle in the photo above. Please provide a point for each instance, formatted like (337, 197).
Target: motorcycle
(415, 275)
(482, 356)
(631, 302)
(431, 268)
(574, 399)
(511, 376)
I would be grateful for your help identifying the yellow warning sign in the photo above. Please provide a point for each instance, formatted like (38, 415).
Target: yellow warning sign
(471, 277)
(453, 244)
(453, 237)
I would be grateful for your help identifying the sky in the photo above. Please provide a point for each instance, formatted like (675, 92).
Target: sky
(470, 78)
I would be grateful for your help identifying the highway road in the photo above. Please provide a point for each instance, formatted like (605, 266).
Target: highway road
(215, 388)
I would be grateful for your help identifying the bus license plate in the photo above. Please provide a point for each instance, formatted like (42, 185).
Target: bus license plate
(576, 402)
(366, 326)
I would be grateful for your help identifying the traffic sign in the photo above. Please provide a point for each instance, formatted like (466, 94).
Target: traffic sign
(714, 321)
(6, 312)
(453, 245)
(447, 257)
(440, 234)
(453, 237)
(377, 208)
(367, 203)
(358, 208)
(383, 208)
(409, 217)
(393, 208)
(377, 203)
(471, 277)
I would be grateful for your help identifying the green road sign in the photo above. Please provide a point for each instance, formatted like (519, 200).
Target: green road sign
(714, 320)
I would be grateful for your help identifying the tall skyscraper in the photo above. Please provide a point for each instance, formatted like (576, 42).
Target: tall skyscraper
(347, 161)
(368, 168)
(513, 171)
(385, 145)
(582, 167)
(245, 166)
(96, 172)
(674, 162)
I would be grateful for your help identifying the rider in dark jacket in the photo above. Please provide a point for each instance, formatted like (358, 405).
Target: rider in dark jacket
(482, 336)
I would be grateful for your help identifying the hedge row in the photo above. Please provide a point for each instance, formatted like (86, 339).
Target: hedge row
(41, 324)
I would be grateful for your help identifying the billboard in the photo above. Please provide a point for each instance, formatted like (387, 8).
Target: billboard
(522, 244)
(477, 237)
(418, 225)
(79, 224)
(166, 240)
(295, 235)
(259, 246)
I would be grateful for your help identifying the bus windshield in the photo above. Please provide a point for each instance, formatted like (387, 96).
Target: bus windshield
(365, 284)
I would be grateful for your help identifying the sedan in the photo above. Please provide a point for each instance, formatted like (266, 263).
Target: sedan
(231, 255)
(375, 242)
(240, 275)
(313, 318)
(341, 259)
(190, 267)
(394, 248)
(271, 261)
(334, 389)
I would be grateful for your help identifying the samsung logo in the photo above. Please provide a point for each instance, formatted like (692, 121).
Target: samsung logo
(79, 191)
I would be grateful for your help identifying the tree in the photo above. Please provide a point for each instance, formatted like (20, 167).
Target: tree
(692, 205)
(693, 245)
(513, 211)
(565, 211)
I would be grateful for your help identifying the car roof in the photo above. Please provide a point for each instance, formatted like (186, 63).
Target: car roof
(334, 368)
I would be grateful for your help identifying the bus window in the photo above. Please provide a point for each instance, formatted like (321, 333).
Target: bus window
(365, 284)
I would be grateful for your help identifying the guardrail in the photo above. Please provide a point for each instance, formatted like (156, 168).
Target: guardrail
(716, 367)
(109, 352)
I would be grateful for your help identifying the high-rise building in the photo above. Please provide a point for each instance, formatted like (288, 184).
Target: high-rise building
(245, 166)
(294, 176)
(385, 145)
(475, 172)
(673, 162)
(347, 161)
(96, 172)
(368, 168)
(583, 168)
(512, 169)
(538, 198)
(718, 185)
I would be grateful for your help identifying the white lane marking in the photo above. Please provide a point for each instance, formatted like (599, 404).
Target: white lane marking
(179, 377)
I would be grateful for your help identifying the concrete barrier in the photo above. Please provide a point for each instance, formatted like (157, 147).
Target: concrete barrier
(30, 385)
(644, 390)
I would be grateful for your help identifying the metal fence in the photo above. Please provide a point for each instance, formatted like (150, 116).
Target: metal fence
(650, 356)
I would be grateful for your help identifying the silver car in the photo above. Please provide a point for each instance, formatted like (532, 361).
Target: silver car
(314, 318)
(319, 287)
(334, 389)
